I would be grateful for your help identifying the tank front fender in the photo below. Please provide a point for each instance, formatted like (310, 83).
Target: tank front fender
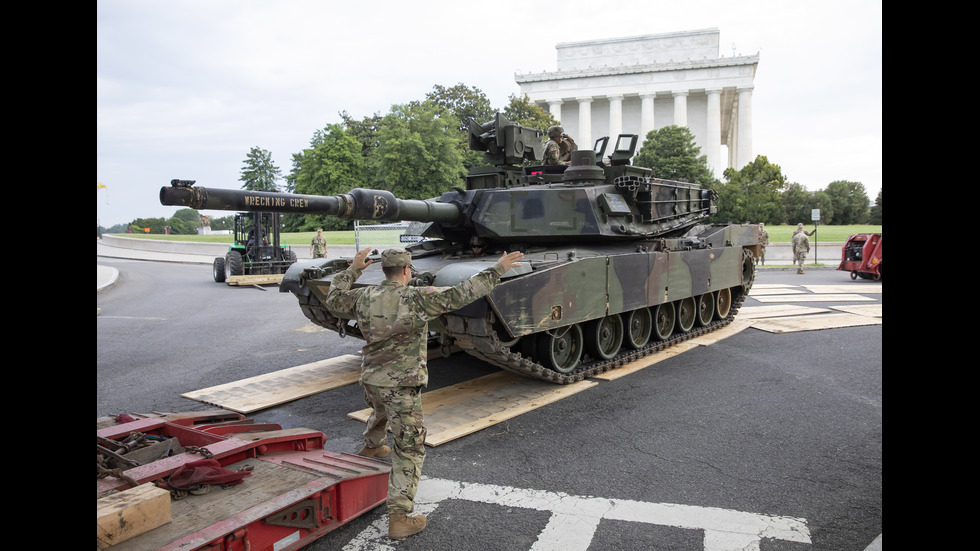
(293, 281)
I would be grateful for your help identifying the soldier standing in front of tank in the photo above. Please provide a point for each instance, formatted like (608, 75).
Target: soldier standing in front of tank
(318, 246)
(553, 148)
(394, 320)
(801, 246)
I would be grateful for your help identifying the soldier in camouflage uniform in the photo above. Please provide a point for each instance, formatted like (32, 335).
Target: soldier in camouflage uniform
(553, 154)
(764, 241)
(318, 245)
(801, 246)
(394, 320)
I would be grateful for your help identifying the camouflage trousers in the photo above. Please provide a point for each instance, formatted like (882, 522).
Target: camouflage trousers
(800, 259)
(399, 408)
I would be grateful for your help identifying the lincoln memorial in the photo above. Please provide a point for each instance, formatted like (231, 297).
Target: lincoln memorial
(636, 84)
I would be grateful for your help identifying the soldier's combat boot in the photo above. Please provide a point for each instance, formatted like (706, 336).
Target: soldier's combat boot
(401, 525)
(380, 452)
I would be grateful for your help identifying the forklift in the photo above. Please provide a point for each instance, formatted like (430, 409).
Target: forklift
(256, 254)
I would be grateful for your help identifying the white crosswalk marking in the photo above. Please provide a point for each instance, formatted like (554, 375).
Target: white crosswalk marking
(574, 519)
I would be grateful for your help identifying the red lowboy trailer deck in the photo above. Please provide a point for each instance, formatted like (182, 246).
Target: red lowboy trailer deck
(294, 492)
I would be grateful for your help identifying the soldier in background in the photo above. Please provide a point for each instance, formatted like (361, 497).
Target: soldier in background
(801, 246)
(764, 241)
(553, 148)
(393, 318)
(318, 246)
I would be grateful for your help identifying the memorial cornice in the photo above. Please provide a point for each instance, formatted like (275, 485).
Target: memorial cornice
(734, 61)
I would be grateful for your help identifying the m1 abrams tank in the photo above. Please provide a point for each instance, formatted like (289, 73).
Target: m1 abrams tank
(617, 264)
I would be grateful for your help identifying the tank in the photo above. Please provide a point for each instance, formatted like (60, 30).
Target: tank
(617, 264)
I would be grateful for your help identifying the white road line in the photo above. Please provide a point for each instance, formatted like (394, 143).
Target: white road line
(574, 519)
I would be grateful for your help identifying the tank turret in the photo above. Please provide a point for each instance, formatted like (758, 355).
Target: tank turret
(618, 263)
(588, 201)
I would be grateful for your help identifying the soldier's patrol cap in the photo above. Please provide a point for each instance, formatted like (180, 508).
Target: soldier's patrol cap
(555, 131)
(395, 257)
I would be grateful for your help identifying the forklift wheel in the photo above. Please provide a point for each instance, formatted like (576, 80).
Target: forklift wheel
(218, 269)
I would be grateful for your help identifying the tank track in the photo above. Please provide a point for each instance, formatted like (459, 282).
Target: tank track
(481, 341)
(487, 347)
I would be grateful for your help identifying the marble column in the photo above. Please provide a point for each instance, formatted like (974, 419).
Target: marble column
(646, 115)
(744, 127)
(584, 138)
(680, 108)
(555, 108)
(615, 117)
(712, 146)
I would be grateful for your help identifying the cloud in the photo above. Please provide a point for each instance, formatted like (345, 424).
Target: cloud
(185, 89)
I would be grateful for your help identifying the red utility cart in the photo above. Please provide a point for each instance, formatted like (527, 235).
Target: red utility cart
(861, 256)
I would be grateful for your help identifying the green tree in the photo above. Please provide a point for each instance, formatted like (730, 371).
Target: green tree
(795, 202)
(463, 103)
(751, 194)
(673, 155)
(189, 216)
(258, 172)
(156, 225)
(850, 202)
(820, 199)
(332, 165)
(876, 211)
(520, 110)
(417, 156)
(223, 223)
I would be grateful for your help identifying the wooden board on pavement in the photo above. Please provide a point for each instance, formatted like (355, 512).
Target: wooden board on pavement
(263, 391)
(254, 279)
(813, 322)
(464, 408)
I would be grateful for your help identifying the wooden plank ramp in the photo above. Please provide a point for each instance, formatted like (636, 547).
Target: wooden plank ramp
(254, 279)
(791, 324)
(464, 408)
(270, 389)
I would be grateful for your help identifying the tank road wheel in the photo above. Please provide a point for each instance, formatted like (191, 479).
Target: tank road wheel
(639, 326)
(218, 269)
(560, 349)
(687, 312)
(706, 308)
(604, 336)
(233, 264)
(723, 303)
(664, 316)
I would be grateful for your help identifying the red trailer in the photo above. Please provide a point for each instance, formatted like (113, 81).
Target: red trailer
(861, 256)
(289, 490)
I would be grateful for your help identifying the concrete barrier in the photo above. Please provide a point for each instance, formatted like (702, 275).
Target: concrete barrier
(181, 247)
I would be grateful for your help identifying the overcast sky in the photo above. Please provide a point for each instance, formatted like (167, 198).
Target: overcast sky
(186, 88)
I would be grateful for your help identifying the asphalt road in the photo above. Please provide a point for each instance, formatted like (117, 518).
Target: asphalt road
(779, 427)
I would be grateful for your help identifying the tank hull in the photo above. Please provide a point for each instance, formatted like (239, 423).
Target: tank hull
(564, 290)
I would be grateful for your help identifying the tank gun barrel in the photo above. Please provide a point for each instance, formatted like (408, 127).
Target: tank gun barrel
(358, 204)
